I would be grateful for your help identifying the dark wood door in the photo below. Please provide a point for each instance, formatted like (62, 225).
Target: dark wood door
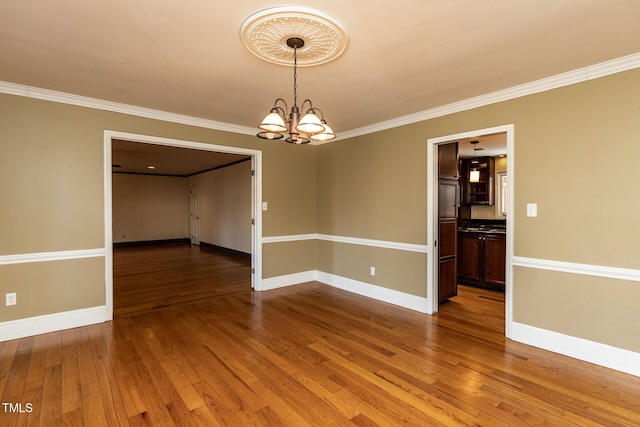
(494, 260)
(447, 220)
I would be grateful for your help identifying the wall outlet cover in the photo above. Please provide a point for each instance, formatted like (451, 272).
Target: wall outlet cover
(11, 299)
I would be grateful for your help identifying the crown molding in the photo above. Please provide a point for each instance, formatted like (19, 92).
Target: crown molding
(99, 104)
(591, 72)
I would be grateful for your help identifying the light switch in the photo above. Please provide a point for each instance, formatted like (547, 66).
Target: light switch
(532, 209)
(264, 206)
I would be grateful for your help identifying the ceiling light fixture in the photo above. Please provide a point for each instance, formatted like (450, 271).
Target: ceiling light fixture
(316, 38)
(474, 175)
(301, 131)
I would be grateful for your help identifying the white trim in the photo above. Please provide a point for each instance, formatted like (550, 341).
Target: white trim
(100, 104)
(379, 293)
(411, 247)
(21, 328)
(575, 268)
(368, 290)
(432, 208)
(256, 201)
(603, 69)
(256, 212)
(289, 280)
(591, 72)
(51, 256)
(289, 238)
(108, 228)
(578, 348)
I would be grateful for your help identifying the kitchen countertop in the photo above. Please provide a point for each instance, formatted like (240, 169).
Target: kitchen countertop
(475, 226)
(482, 230)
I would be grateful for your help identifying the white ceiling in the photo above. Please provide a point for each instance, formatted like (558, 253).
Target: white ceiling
(403, 56)
(150, 159)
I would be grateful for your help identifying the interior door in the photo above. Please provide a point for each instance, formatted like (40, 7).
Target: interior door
(448, 196)
(195, 215)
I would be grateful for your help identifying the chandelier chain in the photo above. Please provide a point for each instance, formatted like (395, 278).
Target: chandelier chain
(295, 76)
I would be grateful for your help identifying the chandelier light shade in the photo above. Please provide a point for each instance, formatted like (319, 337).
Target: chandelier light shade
(273, 122)
(314, 36)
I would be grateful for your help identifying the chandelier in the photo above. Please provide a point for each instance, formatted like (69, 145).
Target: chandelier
(271, 34)
(301, 131)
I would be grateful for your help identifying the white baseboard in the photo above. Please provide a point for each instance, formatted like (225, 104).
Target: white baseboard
(289, 280)
(578, 348)
(379, 293)
(21, 328)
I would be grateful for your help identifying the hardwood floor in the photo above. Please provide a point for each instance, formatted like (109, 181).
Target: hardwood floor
(152, 277)
(306, 355)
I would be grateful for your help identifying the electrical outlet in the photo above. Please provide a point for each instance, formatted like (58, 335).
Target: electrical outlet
(372, 271)
(11, 299)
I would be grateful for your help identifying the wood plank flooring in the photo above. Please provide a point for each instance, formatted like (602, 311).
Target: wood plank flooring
(152, 277)
(306, 355)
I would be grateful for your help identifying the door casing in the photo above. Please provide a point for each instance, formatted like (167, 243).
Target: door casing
(256, 202)
(432, 217)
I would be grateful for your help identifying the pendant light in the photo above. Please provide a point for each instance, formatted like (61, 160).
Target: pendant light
(474, 174)
(315, 38)
(301, 130)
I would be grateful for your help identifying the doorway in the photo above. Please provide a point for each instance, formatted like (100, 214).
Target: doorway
(434, 196)
(194, 215)
(256, 201)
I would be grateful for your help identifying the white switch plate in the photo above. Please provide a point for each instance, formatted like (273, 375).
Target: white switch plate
(373, 271)
(532, 209)
(11, 299)
(265, 206)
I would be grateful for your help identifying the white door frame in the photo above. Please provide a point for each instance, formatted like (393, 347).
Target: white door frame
(256, 202)
(432, 208)
(194, 215)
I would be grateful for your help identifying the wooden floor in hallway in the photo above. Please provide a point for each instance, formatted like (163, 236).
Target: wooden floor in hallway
(148, 278)
(203, 349)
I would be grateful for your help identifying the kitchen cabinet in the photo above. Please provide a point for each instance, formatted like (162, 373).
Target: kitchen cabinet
(480, 191)
(481, 259)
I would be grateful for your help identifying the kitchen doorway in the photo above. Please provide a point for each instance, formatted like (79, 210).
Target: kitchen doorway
(433, 214)
(256, 201)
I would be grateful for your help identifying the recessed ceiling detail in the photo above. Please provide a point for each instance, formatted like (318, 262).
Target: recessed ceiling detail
(265, 34)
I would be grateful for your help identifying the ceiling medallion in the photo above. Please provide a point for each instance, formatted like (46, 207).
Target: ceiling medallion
(265, 34)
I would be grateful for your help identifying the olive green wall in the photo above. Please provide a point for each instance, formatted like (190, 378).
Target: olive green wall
(52, 195)
(575, 155)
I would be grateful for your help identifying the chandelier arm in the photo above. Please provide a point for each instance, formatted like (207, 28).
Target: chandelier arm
(286, 107)
(310, 105)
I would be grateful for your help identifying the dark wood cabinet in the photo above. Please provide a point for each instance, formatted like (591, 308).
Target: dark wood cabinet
(469, 257)
(478, 180)
(494, 254)
(481, 260)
